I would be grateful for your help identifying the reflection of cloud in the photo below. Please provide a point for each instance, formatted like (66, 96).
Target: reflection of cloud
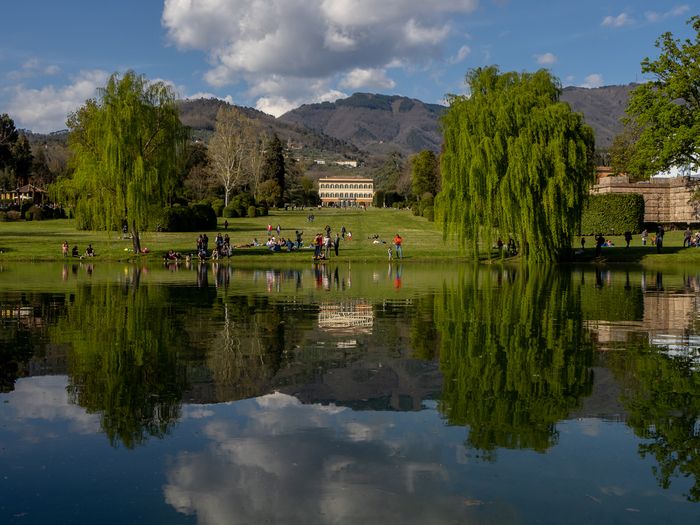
(196, 412)
(46, 398)
(590, 427)
(293, 463)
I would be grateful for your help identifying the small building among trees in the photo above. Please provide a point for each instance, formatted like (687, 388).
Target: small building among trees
(345, 191)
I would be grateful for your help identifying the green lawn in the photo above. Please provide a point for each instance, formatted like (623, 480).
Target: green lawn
(41, 240)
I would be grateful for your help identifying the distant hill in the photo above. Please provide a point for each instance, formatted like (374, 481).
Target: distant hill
(382, 123)
(602, 109)
(200, 115)
(374, 123)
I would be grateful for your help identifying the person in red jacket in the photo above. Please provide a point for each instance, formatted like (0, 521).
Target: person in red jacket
(397, 246)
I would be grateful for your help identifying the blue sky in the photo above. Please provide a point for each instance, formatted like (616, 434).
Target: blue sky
(278, 54)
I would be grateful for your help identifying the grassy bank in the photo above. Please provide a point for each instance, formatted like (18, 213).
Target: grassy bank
(41, 240)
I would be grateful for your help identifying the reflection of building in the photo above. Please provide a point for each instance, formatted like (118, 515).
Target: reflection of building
(346, 318)
(346, 191)
(667, 317)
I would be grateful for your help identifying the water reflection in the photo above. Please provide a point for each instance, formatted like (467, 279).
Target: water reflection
(515, 357)
(320, 360)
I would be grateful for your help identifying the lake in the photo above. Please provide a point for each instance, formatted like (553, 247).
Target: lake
(348, 393)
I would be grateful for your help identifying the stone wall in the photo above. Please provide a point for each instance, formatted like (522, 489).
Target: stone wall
(665, 200)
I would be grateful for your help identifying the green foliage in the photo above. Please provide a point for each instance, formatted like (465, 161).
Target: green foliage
(186, 218)
(514, 355)
(516, 162)
(613, 213)
(378, 200)
(8, 138)
(389, 173)
(218, 206)
(429, 213)
(22, 160)
(270, 192)
(203, 216)
(239, 205)
(128, 149)
(273, 169)
(425, 173)
(252, 211)
(665, 113)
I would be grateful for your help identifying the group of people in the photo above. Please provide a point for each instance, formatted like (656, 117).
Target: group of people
(74, 252)
(507, 249)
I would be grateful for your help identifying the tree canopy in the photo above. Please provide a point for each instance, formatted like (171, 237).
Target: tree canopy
(425, 173)
(128, 146)
(663, 115)
(516, 162)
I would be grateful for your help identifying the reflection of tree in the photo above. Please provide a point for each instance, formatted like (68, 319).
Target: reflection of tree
(254, 341)
(662, 396)
(514, 357)
(124, 360)
(424, 333)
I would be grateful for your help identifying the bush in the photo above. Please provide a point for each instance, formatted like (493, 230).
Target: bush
(3, 216)
(218, 205)
(34, 214)
(613, 213)
(252, 211)
(203, 216)
(261, 211)
(379, 199)
(429, 213)
(231, 212)
(14, 215)
(416, 209)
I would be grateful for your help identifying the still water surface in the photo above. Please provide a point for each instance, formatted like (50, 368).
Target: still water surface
(406, 394)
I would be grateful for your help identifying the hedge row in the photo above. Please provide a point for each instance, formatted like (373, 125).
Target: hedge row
(188, 218)
(613, 213)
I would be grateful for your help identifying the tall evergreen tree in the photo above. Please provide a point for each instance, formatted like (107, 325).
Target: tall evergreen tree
(22, 160)
(273, 164)
(425, 173)
(8, 138)
(128, 147)
(516, 162)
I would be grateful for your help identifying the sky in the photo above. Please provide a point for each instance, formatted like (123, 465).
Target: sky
(276, 55)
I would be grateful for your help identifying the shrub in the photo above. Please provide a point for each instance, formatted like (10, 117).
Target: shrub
(429, 213)
(261, 211)
(3, 216)
(231, 212)
(14, 215)
(416, 209)
(252, 211)
(218, 205)
(379, 199)
(176, 219)
(613, 213)
(203, 216)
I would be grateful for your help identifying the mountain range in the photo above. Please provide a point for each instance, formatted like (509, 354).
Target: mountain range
(367, 125)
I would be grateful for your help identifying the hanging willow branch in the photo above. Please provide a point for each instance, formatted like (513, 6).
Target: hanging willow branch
(516, 163)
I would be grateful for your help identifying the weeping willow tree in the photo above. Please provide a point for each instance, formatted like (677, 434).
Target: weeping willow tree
(127, 146)
(514, 356)
(516, 162)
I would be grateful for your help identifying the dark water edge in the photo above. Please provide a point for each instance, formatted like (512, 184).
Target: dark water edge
(348, 393)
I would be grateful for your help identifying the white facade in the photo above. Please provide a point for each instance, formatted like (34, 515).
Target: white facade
(346, 191)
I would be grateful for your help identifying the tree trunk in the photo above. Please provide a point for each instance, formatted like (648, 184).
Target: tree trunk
(135, 239)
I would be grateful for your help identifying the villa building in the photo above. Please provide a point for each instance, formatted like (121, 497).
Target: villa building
(346, 191)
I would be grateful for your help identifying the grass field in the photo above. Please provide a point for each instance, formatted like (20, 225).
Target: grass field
(41, 240)
(423, 242)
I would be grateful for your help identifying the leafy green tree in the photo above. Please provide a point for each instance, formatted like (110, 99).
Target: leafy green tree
(8, 137)
(665, 112)
(273, 168)
(516, 161)
(22, 160)
(128, 149)
(389, 173)
(425, 173)
(270, 192)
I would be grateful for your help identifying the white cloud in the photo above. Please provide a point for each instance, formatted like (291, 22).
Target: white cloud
(288, 42)
(45, 110)
(206, 94)
(655, 16)
(546, 59)
(461, 55)
(367, 78)
(593, 80)
(34, 67)
(620, 20)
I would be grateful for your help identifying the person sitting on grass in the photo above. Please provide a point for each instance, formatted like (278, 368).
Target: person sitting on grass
(89, 251)
(74, 252)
